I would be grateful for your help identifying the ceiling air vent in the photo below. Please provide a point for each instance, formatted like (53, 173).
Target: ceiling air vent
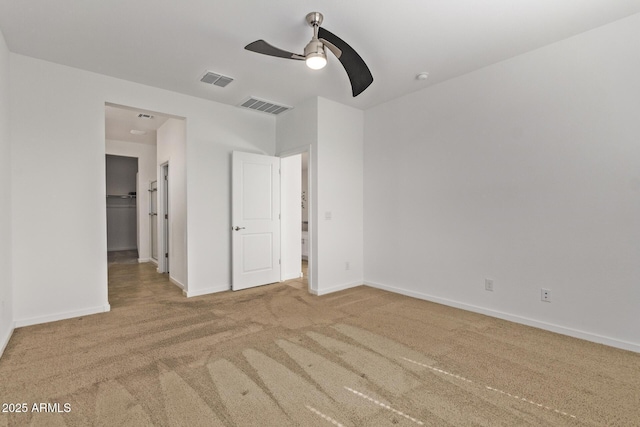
(216, 79)
(145, 116)
(264, 106)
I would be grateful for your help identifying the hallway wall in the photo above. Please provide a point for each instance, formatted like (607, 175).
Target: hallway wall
(171, 148)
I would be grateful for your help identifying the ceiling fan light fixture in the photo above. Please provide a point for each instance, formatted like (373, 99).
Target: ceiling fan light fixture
(314, 55)
(316, 61)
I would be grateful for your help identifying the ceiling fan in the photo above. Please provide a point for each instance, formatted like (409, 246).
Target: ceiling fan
(316, 57)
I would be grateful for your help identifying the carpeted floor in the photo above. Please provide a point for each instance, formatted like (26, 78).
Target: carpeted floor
(278, 356)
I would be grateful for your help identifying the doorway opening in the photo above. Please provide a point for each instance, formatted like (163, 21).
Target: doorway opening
(304, 204)
(128, 134)
(266, 220)
(296, 219)
(122, 208)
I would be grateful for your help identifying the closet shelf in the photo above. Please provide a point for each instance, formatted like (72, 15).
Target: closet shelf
(121, 196)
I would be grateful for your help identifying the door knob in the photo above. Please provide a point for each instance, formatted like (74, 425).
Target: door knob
(238, 228)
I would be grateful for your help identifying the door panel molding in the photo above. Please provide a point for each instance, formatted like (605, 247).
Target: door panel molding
(255, 216)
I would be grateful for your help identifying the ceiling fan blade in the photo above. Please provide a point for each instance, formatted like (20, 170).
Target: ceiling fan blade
(354, 65)
(261, 46)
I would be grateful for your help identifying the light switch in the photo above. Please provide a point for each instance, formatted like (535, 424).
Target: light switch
(328, 215)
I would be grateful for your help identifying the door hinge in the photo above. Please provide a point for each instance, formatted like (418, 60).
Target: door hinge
(279, 261)
(166, 216)
(166, 255)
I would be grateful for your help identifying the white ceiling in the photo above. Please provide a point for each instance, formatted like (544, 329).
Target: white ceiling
(120, 121)
(170, 44)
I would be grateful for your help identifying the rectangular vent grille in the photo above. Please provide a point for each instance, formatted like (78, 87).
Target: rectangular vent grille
(145, 116)
(264, 106)
(216, 79)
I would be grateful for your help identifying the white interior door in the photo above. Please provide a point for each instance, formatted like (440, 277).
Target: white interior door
(255, 215)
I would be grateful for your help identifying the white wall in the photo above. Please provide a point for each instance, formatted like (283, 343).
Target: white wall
(6, 298)
(58, 184)
(526, 172)
(171, 139)
(335, 134)
(147, 172)
(339, 190)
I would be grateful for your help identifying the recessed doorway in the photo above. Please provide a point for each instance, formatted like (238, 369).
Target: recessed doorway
(296, 219)
(122, 228)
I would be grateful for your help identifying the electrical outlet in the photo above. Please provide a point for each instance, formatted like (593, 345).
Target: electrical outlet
(545, 295)
(488, 284)
(347, 265)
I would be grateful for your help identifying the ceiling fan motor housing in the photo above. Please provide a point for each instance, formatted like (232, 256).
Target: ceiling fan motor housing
(314, 48)
(314, 18)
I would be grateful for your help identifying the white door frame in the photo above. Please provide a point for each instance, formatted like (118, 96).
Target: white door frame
(163, 227)
(310, 208)
(153, 216)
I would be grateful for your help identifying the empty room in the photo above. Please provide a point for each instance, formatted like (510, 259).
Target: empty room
(320, 213)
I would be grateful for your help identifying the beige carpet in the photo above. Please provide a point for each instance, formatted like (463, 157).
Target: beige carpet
(278, 356)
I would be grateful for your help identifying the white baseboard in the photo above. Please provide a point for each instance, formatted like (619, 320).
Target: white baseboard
(325, 291)
(61, 316)
(177, 283)
(143, 260)
(612, 342)
(4, 341)
(206, 291)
